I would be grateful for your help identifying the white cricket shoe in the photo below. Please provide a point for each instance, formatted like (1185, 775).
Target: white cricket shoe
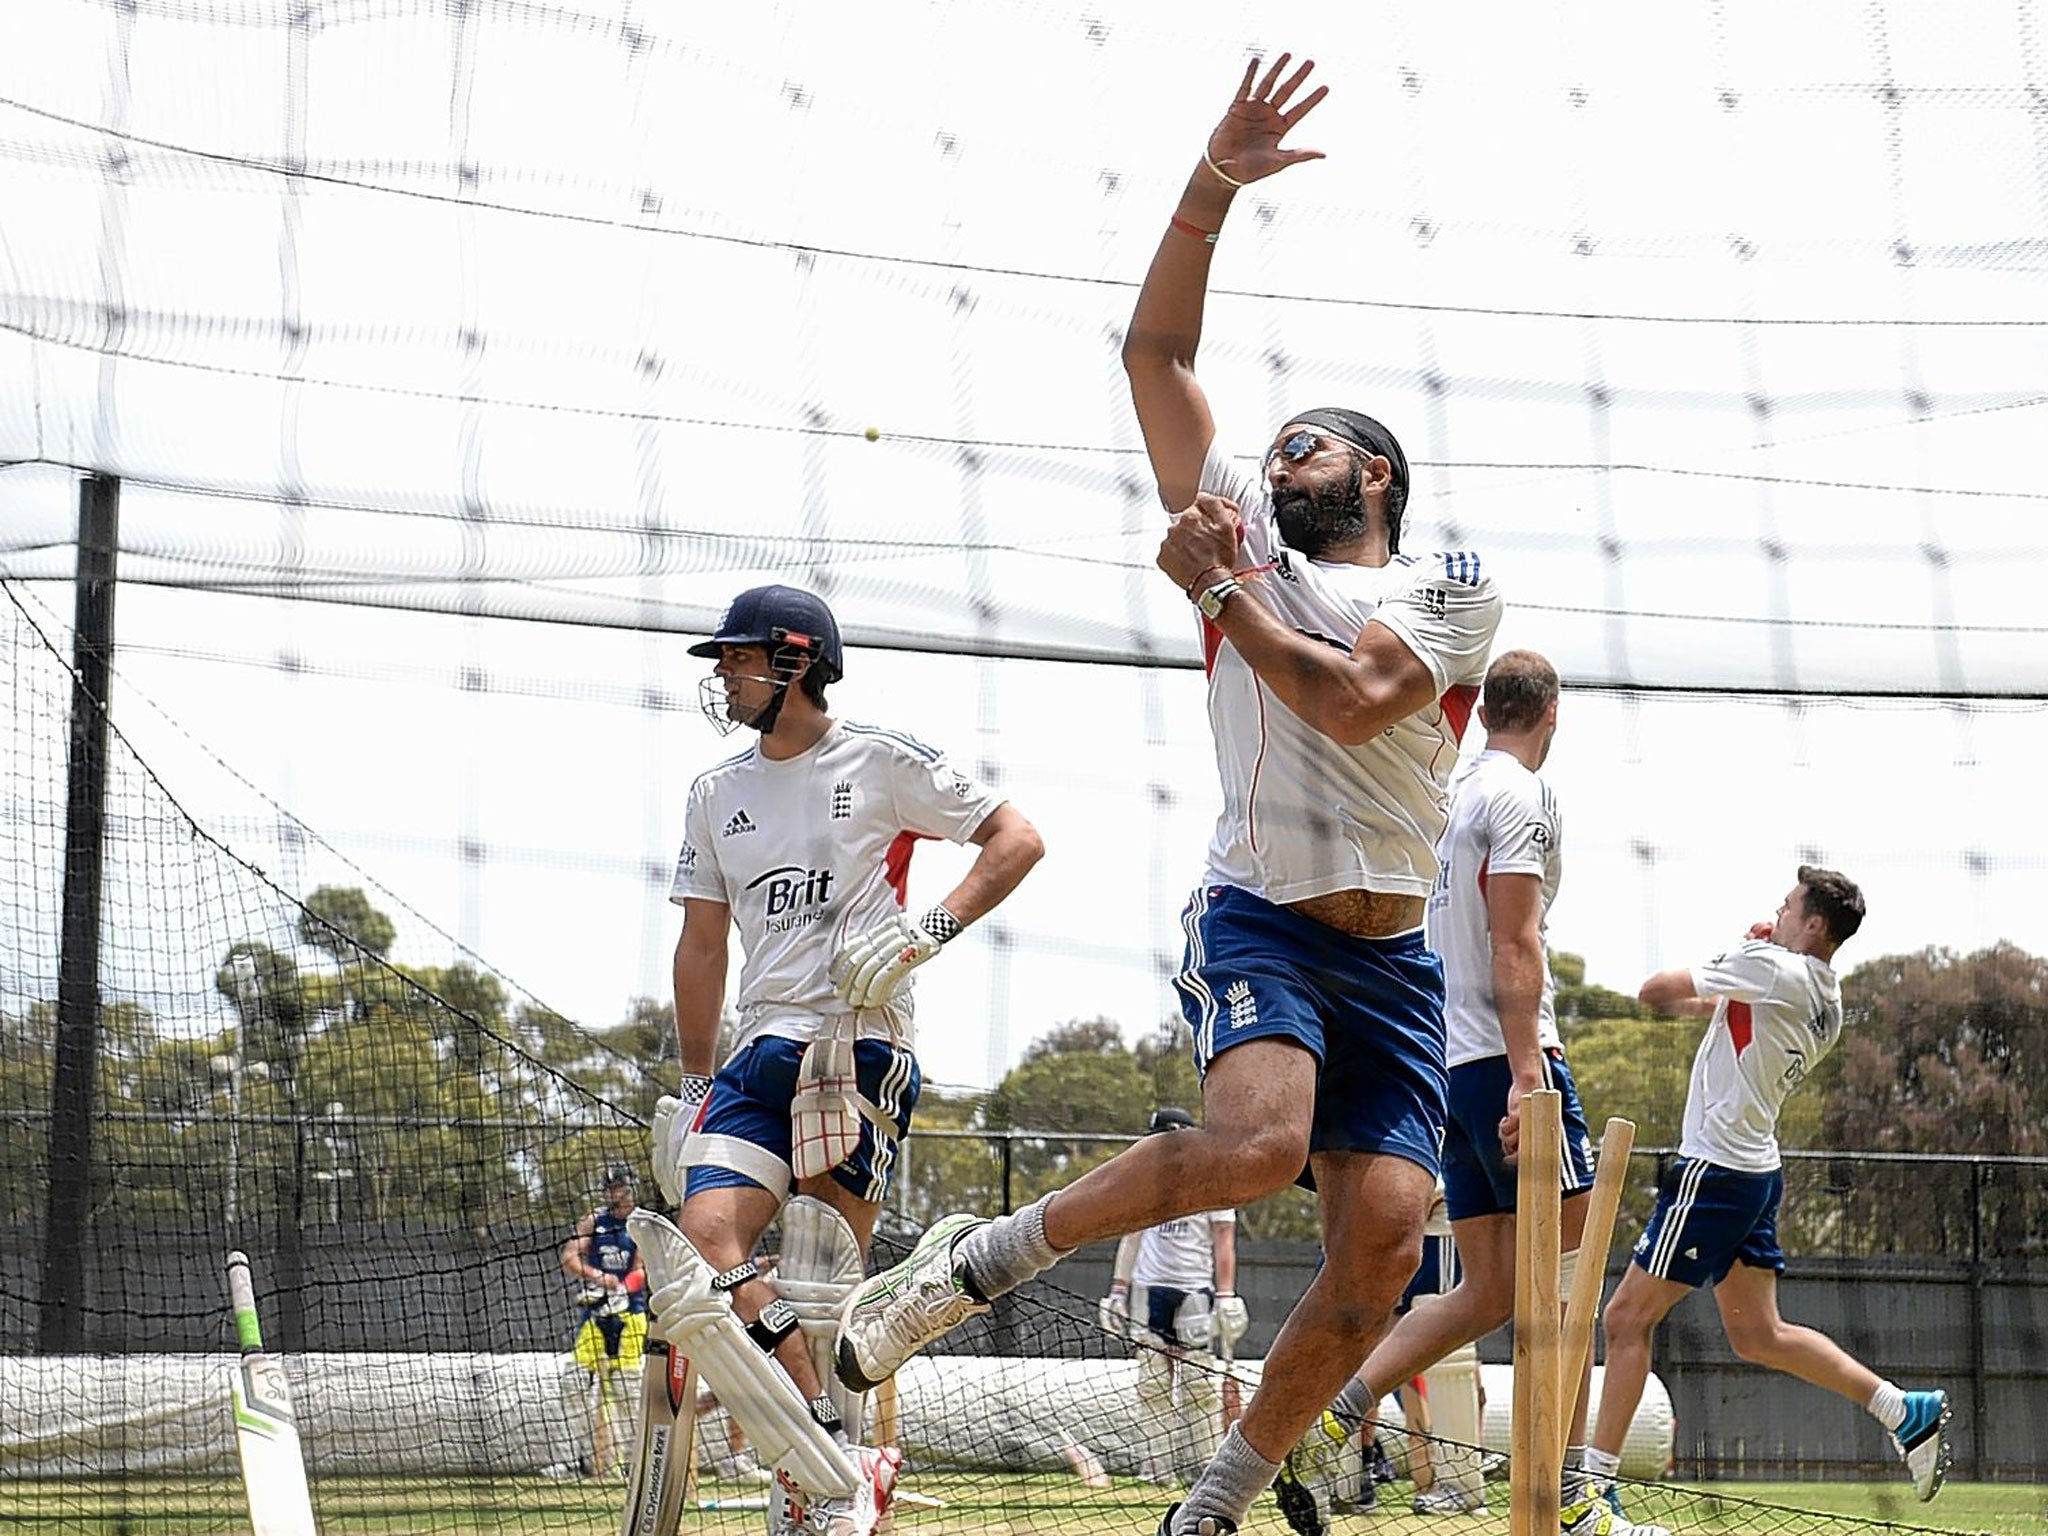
(902, 1309)
(1922, 1440)
(1443, 1498)
(786, 1513)
(1593, 1516)
(1308, 1478)
(858, 1514)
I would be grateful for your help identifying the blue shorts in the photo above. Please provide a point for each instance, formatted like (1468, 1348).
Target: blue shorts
(1371, 1012)
(1162, 1306)
(1437, 1274)
(1709, 1218)
(1478, 1180)
(750, 1101)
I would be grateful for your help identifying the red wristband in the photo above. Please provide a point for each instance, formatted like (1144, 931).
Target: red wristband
(1196, 586)
(1206, 236)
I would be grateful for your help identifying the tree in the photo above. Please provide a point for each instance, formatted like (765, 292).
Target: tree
(340, 920)
(264, 988)
(1942, 1052)
(1078, 1079)
(1081, 1078)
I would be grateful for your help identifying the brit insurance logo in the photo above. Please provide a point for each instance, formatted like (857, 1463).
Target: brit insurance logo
(793, 897)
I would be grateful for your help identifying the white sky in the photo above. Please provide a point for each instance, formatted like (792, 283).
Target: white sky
(643, 419)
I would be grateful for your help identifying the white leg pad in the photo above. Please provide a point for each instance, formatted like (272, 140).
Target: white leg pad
(699, 1319)
(1201, 1408)
(1155, 1409)
(820, 1266)
(825, 1115)
(1453, 1384)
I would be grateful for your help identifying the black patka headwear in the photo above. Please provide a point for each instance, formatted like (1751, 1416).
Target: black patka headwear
(1369, 436)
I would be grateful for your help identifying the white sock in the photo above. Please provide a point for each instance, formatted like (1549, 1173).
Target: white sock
(1602, 1463)
(1887, 1405)
(1572, 1481)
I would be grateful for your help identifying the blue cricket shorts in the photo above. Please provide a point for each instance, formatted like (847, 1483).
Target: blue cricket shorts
(1371, 1011)
(1478, 1179)
(1709, 1218)
(750, 1099)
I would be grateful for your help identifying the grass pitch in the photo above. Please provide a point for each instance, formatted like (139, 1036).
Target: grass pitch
(977, 1505)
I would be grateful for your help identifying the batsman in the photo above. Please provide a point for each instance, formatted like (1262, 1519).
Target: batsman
(802, 843)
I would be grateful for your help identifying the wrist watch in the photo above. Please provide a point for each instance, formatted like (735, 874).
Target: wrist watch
(1212, 599)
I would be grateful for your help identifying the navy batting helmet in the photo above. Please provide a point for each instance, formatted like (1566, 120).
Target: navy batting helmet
(1170, 1118)
(781, 618)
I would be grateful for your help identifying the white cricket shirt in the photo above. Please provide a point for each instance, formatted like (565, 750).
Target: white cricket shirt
(1503, 821)
(811, 850)
(1302, 814)
(1180, 1254)
(1776, 1014)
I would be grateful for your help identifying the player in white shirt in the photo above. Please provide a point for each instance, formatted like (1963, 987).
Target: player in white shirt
(1179, 1279)
(1775, 1010)
(1341, 675)
(802, 844)
(1499, 863)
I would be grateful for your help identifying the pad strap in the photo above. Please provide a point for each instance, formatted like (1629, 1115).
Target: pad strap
(777, 1322)
(737, 1276)
(743, 1157)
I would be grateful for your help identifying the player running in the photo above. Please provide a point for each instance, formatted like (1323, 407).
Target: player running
(1341, 673)
(1499, 865)
(1776, 1010)
(803, 844)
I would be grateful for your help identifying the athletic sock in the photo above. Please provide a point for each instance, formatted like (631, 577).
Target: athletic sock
(1887, 1405)
(1572, 1484)
(1602, 1464)
(1008, 1251)
(1353, 1406)
(1229, 1485)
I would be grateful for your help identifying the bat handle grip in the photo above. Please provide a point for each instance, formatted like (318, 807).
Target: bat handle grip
(242, 1296)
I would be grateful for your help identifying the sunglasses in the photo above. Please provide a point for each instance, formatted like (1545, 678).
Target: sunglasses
(1294, 448)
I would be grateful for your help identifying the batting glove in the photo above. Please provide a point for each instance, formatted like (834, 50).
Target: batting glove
(1232, 1318)
(674, 1114)
(871, 969)
(1113, 1312)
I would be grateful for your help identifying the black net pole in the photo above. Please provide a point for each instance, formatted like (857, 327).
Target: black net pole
(61, 1322)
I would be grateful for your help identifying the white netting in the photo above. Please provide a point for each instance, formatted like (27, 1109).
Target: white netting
(1720, 337)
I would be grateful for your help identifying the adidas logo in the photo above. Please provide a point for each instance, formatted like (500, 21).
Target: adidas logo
(740, 823)
(1244, 1008)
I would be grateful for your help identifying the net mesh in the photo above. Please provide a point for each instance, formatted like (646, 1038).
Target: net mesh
(457, 360)
(397, 1148)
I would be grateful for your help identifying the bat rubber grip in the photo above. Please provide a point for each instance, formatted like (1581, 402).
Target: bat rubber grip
(242, 1294)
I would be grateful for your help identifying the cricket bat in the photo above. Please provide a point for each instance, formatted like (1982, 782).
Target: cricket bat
(665, 1459)
(266, 1434)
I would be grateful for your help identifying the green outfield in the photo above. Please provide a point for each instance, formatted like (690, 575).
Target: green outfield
(980, 1505)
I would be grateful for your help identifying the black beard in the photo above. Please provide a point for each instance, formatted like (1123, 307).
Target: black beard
(1319, 520)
